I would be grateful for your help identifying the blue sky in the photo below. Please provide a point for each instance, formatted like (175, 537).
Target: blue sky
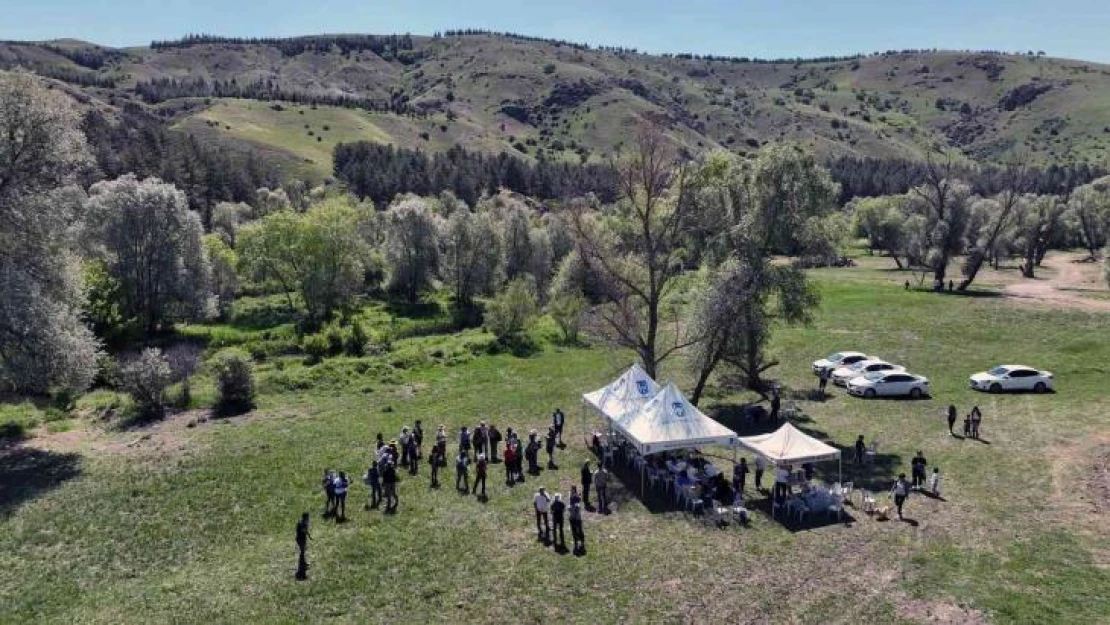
(769, 28)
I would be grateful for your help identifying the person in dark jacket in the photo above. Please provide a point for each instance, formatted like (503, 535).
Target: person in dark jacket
(918, 465)
(587, 483)
(340, 489)
(558, 508)
(462, 472)
(328, 484)
(389, 485)
(558, 420)
(303, 537)
(373, 479)
(776, 404)
(480, 468)
(413, 454)
(861, 449)
(435, 459)
(532, 453)
(951, 418)
(576, 533)
(510, 465)
(740, 475)
(418, 434)
(494, 440)
(549, 444)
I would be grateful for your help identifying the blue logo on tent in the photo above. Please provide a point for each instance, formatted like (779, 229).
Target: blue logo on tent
(642, 385)
(679, 409)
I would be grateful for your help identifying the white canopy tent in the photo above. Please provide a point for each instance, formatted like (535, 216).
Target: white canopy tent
(669, 421)
(624, 395)
(789, 445)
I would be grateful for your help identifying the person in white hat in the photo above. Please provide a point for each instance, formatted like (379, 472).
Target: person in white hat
(480, 475)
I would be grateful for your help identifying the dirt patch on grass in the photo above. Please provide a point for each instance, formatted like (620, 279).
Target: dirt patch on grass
(939, 612)
(1067, 286)
(1081, 489)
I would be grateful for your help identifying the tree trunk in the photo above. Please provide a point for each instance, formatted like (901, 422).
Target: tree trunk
(975, 262)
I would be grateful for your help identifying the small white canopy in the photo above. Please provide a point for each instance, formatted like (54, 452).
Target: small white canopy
(789, 445)
(669, 421)
(625, 394)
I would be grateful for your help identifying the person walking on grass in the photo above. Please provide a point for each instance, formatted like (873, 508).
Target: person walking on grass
(418, 436)
(976, 419)
(601, 483)
(900, 491)
(435, 459)
(481, 439)
(542, 504)
(341, 486)
(861, 449)
(549, 445)
(389, 485)
(740, 475)
(557, 510)
(575, 514)
(823, 380)
(303, 536)
(934, 482)
(494, 440)
(510, 465)
(558, 419)
(951, 419)
(760, 467)
(480, 468)
(328, 484)
(373, 479)
(462, 472)
(918, 465)
(587, 482)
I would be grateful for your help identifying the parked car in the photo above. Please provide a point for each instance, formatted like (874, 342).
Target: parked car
(841, 375)
(838, 359)
(1012, 378)
(889, 384)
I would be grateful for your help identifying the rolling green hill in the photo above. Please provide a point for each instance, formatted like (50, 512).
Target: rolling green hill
(494, 92)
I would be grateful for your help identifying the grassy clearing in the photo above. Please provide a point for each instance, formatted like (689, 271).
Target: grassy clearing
(199, 527)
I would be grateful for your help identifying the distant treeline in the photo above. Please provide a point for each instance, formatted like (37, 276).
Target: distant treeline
(380, 172)
(162, 89)
(387, 46)
(92, 58)
(207, 174)
(73, 76)
(870, 177)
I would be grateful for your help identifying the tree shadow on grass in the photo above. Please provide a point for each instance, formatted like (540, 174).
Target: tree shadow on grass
(28, 472)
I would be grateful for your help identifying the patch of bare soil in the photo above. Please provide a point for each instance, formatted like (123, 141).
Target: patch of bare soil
(1081, 489)
(1066, 288)
(939, 613)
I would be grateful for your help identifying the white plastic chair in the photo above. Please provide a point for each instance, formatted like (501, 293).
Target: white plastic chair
(846, 490)
(867, 502)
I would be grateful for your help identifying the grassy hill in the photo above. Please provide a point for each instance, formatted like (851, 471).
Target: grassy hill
(496, 92)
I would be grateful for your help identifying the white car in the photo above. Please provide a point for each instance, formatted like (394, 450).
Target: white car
(889, 384)
(1012, 378)
(841, 375)
(839, 359)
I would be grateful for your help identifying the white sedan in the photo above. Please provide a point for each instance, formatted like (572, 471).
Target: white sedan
(841, 375)
(889, 384)
(838, 359)
(1012, 378)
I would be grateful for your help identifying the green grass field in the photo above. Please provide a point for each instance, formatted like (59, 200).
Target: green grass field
(195, 524)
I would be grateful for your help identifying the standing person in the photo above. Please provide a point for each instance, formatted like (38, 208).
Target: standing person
(341, 486)
(328, 484)
(900, 491)
(462, 472)
(576, 533)
(549, 444)
(918, 465)
(373, 479)
(414, 455)
(464, 440)
(404, 439)
(760, 467)
(436, 460)
(776, 404)
(907, 285)
(557, 421)
(823, 380)
(379, 442)
(481, 438)
(782, 482)
(740, 475)
(587, 481)
(494, 440)
(934, 482)
(302, 546)
(389, 485)
(532, 452)
(542, 503)
(480, 468)
(418, 435)
(861, 449)
(601, 483)
(951, 418)
(976, 419)
(441, 443)
(510, 465)
(557, 510)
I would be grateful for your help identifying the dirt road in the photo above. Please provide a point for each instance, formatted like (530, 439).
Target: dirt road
(1067, 287)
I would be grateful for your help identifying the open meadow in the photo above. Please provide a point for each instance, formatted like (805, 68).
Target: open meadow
(191, 519)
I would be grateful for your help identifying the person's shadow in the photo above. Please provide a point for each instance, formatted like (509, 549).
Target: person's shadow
(909, 521)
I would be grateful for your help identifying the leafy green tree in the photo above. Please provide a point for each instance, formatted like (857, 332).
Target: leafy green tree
(146, 379)
(1037, 219)
(223, 262)
(566, 309)
(1088, 214)
(471, 255)
(512, 313)
(234, 380)
(945, 204)
(43, 342)
(412, 250)
(883, 221)
(153, 245)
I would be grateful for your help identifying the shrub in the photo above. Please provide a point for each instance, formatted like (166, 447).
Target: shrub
(511, 314)
(335, 338)
(566, 309)
(146, 379)
(549, 68)
(234, 381)
(315, 346)
(356, 340)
